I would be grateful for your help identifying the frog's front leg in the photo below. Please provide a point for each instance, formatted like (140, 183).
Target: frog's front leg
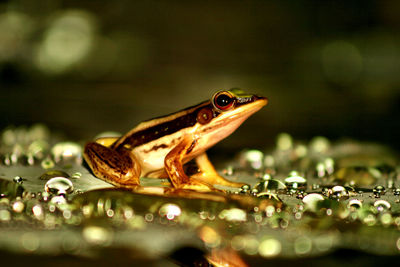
(208, 173)
(117, 167)
(174, 168)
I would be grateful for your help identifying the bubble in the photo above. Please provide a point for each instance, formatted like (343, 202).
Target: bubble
(311, 201)
(59, 186)
(269, 248)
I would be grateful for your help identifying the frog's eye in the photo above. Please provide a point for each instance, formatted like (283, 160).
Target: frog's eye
(223, 100)
(204, 115)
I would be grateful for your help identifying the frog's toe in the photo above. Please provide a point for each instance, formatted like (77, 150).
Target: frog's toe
(215, 179)
(199, 186)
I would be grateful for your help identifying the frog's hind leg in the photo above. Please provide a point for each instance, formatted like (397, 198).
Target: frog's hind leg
(174, 167)
(118, 167)
(208, 173)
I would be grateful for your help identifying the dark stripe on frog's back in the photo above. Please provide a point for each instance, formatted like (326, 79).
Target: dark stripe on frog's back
(168, 127)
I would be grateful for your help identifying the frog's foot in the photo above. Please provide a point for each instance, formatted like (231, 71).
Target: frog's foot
(215, 179)
(119, 168)
(174, 168)
(209, 175)
(197, 185)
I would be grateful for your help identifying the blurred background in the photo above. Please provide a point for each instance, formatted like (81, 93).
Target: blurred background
(329, 68)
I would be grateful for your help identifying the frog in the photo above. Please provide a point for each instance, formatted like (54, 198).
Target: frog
(161, 147)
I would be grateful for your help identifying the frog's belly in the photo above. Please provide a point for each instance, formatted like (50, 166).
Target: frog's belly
(151, 155)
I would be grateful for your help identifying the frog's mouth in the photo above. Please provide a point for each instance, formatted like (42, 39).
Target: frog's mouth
(227, 122)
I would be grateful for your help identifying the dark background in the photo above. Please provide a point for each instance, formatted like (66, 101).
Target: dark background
(329, 68)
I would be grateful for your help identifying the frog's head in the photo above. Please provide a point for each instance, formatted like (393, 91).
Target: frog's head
(225, 113)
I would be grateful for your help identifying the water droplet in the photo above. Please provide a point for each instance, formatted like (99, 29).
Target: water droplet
(382, 205)
(254, 158)
(97, 235)
(379, 190)
(228, 171)
(47, 163)
(18, 206)
(320, 169)
(269, 161)
(245, 189)
(269, 185)
(59, 186)
(58, 200)
(66, 151)
(284, 141)
(354, 204)
(210, 237)
(30, 241)
(339, 192)
(302, 245)
(76, 175)
(5, 215)
(294, 181)
(9, 189)
(319, 144)
(53, 173)
(269, 248)
(18, 179)
(233, 214)
(311, 201)
(170, 211)
(37, 210)
(355, 176)
(396, 192)
(329, 165)
(38, 148)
